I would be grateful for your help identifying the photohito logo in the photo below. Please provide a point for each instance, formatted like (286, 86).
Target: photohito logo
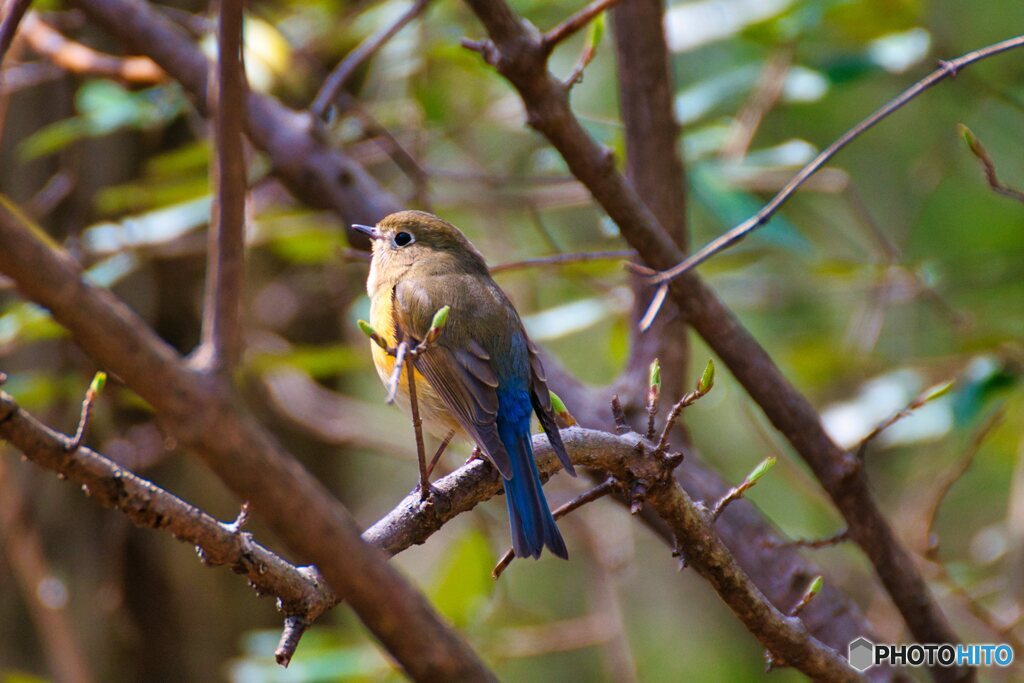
(863, 654)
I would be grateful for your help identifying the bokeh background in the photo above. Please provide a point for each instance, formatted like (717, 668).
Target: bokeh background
(895, 269)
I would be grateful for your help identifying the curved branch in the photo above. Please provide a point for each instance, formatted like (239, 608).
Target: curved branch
(634, 461)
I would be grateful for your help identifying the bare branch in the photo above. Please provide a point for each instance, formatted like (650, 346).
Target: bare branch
(225, 270)
(15, 12)
(76, 58)
(930, 544)
(83, 421)
(815, 543)
(945, 70)
(332, 88)
(564, 259)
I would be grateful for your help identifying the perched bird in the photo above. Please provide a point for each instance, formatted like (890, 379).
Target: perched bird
(481, 378)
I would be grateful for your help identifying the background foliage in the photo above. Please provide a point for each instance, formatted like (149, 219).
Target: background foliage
(119, 173)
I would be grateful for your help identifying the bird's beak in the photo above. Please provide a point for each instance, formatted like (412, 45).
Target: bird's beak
(368, 230)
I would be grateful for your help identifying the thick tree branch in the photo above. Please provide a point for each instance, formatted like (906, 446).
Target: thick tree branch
(225, 271)
(515, 50)
(323, 177)
(632, 460)
(80, 59)
(207, 419)
(655, 169)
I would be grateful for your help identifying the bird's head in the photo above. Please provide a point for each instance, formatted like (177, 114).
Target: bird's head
(418, 240)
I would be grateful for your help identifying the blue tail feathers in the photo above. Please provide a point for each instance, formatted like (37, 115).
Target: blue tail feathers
(530, 518)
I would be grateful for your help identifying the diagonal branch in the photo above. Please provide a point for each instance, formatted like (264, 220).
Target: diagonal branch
(207, 419)
(331, 89)
(225, 271)
(14, 12)
(945, 70)
(514, 49)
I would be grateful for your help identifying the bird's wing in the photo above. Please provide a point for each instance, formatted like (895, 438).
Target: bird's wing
(457, 367)
(541, 400)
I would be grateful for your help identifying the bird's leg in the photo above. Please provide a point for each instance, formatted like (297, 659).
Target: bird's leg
(440, 451)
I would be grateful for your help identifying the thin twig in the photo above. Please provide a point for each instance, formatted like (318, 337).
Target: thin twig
(946, 69)
(225, 272)
(766, 94)
(442, 447)
(930, 545)
(574, 23)
(564, 259)
(75, 442)
(588, 496)
(924, 397)
(73, 57)
(621, 426)
(815, 543)
(16, 10)
(737, 492)
(335, 83)
(687, 400)
(988, 166)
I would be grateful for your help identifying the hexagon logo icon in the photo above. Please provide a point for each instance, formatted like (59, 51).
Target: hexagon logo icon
(862, 654)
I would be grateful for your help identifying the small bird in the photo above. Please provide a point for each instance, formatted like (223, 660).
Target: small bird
(482, 377)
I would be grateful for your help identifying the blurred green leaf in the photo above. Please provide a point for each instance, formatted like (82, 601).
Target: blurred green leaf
(984, 382)
(104, 107)
(24, 322)
(322, 657)
(317, 361)
(464, 583)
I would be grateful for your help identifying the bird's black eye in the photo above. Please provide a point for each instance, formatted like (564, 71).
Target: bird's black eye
(402, 239)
